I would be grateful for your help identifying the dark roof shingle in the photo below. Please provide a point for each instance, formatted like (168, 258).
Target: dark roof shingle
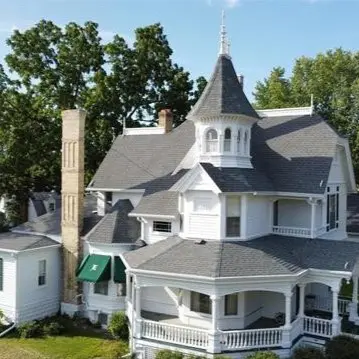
(20, 242)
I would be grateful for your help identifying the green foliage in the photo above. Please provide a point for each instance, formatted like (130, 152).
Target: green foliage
(3, 222)
(57, 68)
(30, 330)
(118, 326)
(308, 353)
(2, 315)
(263, 355)
(168, 354)
(342, 347)
(53, 329)
(332, 78)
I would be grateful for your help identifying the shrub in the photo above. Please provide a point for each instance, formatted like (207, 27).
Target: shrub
(30, 330)
(53, 328)
(168, 354)
(263, 355)
(308, 353)
(342, 347)
(118, 325)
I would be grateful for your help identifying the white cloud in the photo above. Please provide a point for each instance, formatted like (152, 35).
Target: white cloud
(231, 3)
(226, 3)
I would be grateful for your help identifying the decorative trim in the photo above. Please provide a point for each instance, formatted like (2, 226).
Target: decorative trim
(143, 131)
(290, 111)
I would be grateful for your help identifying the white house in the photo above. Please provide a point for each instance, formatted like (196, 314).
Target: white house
(224, 235)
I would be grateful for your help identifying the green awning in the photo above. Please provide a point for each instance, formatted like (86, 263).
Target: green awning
(119, 275)
(95, 268)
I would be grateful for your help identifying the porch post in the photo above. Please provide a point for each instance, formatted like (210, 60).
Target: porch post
(335, 316)
(313, 204)
(301, 299)
(353, 306)
(286, 334)
(128, 287)
(138, 312)
(213, 334)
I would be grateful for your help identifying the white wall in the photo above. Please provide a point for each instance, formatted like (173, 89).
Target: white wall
(34, 301)
(156, 299)
(96, 303)
(203, 223)
(132, 196)
(8, 295)
(258, 216)
(151, 236)
(294, 213)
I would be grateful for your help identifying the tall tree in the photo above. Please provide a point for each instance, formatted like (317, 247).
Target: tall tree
(333, 79)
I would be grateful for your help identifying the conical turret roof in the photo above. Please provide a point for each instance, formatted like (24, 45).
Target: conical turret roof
(223, 94)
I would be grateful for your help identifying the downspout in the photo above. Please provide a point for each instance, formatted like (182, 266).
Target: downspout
(8, 330)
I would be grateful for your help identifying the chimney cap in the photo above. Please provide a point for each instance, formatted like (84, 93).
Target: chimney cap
(165, 111)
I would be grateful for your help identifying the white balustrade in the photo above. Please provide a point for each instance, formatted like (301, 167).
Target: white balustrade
(192, 337)
(291, 231)
(129, 311)
(343, 305)
(317, 326)
(325, 304)
(254, 338)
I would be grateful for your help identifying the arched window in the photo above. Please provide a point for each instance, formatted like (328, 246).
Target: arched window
(246, 142)
(227, 140)
(212, 141)
(239, 141)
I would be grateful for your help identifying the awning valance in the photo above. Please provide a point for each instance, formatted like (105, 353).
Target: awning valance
(95, 268)
(119, 275)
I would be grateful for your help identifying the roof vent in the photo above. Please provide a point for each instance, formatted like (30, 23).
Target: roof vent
(200, 241)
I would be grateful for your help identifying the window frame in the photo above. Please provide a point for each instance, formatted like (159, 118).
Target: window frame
(164, 224)
(332, 208)
(210, 141)
(98, 286)
(227, 141)
(198, 301)
(230, 219)
(227, 297)
(42, 273)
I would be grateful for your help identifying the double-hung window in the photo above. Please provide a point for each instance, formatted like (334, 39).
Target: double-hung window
(233, 219)
(200, 303)
(332, 207)
(41, 279)
(160, 226)
(101, 288)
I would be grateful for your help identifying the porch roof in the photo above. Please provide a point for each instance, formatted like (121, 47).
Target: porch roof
(269, 255)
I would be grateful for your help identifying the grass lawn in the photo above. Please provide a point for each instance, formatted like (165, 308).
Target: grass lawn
(78, 342)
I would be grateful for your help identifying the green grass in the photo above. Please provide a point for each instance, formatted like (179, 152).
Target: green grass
(80, 341)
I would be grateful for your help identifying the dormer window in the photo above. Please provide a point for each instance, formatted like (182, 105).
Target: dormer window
(227, 140)
(212, 141)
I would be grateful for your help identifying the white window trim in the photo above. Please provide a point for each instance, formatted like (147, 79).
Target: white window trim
(38, 273)
(162, 232)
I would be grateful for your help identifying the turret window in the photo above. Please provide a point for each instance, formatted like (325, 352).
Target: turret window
(212, 141)
(246, 147)
(239, 141)
(227, 140)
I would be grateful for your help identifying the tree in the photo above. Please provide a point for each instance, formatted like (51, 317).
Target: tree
(333, 80)
(59, 68)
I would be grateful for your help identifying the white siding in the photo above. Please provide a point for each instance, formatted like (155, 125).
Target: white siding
(133, 197)
(8, 295)
(34, 301)
(205, 223)
(258, 216)
(294, 213)
(98, 303)
(151, 236)
(156, 299)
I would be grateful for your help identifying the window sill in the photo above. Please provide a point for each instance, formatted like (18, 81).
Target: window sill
(161, 233)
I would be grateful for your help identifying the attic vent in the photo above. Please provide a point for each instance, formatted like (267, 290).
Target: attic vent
(200, 241)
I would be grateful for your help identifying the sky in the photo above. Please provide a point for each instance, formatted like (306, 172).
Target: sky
(263, 33)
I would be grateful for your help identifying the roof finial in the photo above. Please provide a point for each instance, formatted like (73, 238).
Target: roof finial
(224, 45)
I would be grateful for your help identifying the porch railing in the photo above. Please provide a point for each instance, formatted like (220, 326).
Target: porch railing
(254, 338)
(326, 304)
(192, 337)
(317, 326)
(297, 328)
(291, 231)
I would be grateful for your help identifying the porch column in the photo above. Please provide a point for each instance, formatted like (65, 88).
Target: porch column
(288, 309)
(353, 306)
(313, 204)
(214, 335)
(138, 312)
(301, 299)
(128, 287)
(335, 315)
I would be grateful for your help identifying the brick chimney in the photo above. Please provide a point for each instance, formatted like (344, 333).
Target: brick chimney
(73, 131)
(165, 120)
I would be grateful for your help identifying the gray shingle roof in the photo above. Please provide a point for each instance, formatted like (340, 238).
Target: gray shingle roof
(134, 160)
(238, 179)
(20, 242)
(116, 226)
(295, 152)
(223, 94)
(50, 223)
(353, 213)
(269, 255)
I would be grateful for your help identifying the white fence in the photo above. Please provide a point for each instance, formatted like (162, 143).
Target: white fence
(255, 338)
(192, 337)
(317, 326)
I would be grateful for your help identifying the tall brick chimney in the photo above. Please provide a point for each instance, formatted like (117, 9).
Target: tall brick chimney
(165, 120)
(73, 131)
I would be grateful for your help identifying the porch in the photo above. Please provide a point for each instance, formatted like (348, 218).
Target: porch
(316, 319)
